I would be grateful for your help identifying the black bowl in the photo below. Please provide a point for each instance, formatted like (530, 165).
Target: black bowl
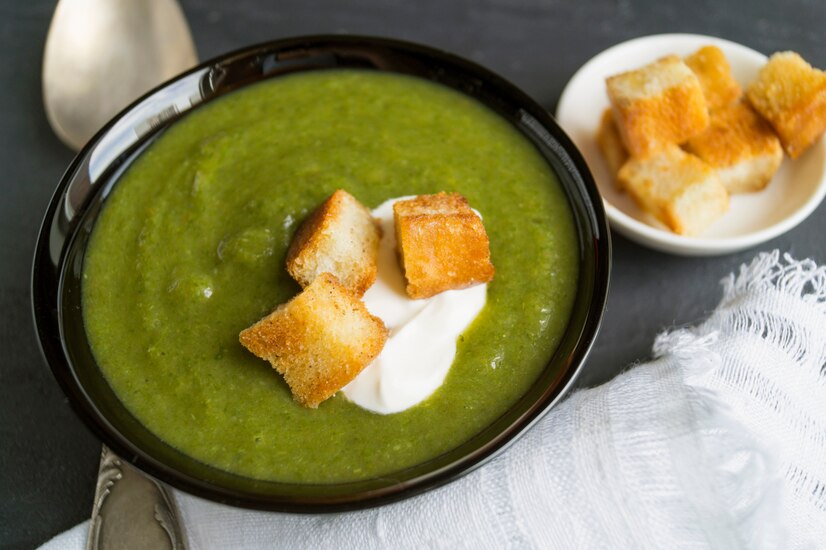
(56, 277)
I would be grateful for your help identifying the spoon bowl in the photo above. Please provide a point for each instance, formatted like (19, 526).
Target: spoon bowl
(102, 54)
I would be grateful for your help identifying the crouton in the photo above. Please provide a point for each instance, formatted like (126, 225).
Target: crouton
(340, 237)
(677, 188)
(657, 105)
(791, 95)
(741, 148)
(714, 73)
(442, 243)
(610, 143)
(319, 341)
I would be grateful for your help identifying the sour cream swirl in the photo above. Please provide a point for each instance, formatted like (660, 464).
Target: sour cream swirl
(423, 333)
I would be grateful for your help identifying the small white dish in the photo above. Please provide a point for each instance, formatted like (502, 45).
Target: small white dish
(794, 192)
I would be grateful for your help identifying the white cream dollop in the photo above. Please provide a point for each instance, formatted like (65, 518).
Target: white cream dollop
(423, 333)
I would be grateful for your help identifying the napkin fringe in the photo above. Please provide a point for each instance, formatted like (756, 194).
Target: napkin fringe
(801, 279)
(685, 343)
(800, 291)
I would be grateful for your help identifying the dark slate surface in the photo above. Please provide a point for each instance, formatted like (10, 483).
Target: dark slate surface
(48, 460)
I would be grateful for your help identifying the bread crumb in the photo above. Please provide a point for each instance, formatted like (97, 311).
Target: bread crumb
(442, 244)
(713, 71)
(677, 188)
(791, 95)
(319, 341)
(610, 143)
(657, 105)
(741, 148)
(339, 237)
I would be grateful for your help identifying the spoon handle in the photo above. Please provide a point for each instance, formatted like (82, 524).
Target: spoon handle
(131, 510)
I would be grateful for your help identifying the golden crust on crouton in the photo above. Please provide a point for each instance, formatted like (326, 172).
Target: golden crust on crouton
(740, 146)
(339, 237)
(677, 188)
(610, 143)
(319, 341)
(714, 73)
(442, 244)
(440, 203)
(791, 95)
(659, 104)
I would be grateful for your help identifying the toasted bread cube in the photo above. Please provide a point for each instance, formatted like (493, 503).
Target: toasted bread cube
(710, 65)
(339, 237)
(677, 188)
(657, 105)
(610, 143)
(442, 243)
(319, 341)
(740, 146)
(791, 95)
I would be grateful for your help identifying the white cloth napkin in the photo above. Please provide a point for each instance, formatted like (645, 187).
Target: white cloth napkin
(718, 442)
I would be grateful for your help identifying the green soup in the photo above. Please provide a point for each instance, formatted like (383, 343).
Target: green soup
(190, 247)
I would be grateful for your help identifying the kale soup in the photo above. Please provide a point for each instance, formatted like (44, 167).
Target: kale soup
(190, 248)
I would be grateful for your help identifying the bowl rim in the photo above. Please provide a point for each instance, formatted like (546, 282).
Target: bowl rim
(48, 269)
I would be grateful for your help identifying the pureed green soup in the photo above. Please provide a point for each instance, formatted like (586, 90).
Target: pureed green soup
(190, 247)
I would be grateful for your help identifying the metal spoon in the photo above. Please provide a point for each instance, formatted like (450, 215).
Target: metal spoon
(131, 511)
(102, 54)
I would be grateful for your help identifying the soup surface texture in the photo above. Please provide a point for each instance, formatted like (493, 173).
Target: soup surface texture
(189, 250)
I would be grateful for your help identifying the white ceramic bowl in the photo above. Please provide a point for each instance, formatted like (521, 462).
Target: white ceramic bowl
(794, 192)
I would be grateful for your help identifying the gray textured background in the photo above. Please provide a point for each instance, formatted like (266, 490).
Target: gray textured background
(48, 460)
